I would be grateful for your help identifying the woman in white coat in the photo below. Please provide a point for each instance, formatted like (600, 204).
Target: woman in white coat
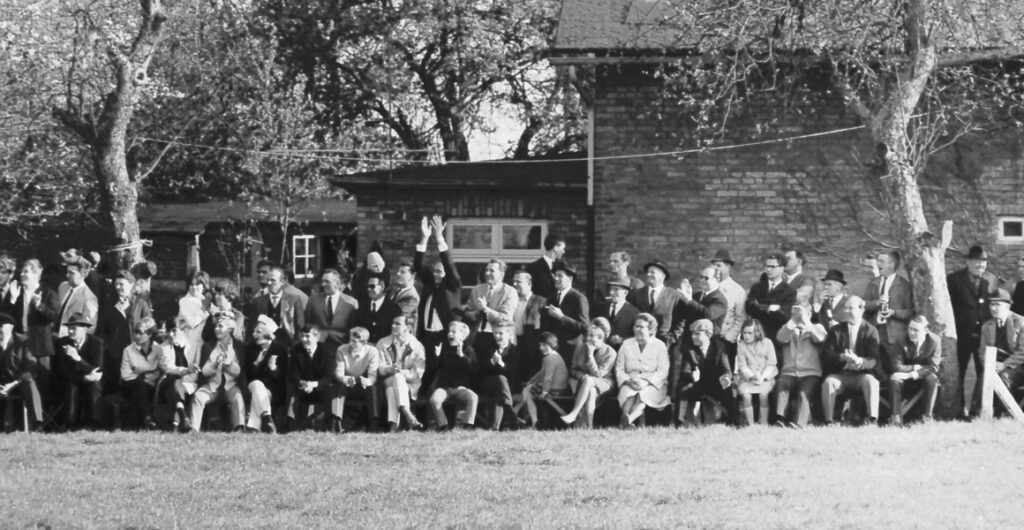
(642, 371)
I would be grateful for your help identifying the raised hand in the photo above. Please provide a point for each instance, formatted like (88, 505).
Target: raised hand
(424, 228)
(438, 227)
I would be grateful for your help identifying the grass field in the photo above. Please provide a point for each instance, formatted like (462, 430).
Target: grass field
(938, 475)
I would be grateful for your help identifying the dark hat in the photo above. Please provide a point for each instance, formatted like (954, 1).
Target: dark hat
(618, 283)
(976, 252)
(658, 264)
(78, 319)
(144, 270)
(724, 256)
(6, 319)
(565, 267)
(1002, 295)
(77, 261)
(835, 275)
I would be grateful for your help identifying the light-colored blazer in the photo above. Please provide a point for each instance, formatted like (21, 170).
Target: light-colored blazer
(504, 299)
(82, 301)
(213, 373)
(335, 331)
(901, 301)
(411, 358)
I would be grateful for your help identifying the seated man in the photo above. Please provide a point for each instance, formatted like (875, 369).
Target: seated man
(704, 373)
(17, 375)
(78, 364)
(497, 374)
(355, 367)
(267, 373)
(180, 364)
(402, 362)
(456, 366)
(915, 361)
(310, 377)
(852, 360)
(1004, 331)
(221, 376)
(801, 340)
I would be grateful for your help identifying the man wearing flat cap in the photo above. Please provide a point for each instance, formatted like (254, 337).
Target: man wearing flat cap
(620, 314)
(567, 312)
(660, 301)
(78, 365)
(17, 375)
(1004, 331)
(969, 291)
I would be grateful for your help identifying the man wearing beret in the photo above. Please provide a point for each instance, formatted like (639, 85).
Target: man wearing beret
(969, 291)
(78, 364)
(17, 374)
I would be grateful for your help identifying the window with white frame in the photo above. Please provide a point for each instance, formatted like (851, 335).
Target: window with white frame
(511, 240)
(304, 256)
(1011, 229)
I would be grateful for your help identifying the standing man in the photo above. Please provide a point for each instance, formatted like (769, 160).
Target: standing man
(527, 326)
(771, 299)
(915, 361)
(17, 374)
(830, 310)
(660, 301)
(403, 290)
(285, 308)
(440, 297)
(735, 296)
(75, 296)
(1004, 331)
(118, 316)
(853, 361)
(969, 290)
(491, 304)
(618, 270)
(542, 271)
(620, 314)
(800, 281)
(567, 313)
(869, 267)
(35, 311)
(331, 310)
(379, 312)
(889, 303)
(710, 303)
(8, 285)
(1018, 291)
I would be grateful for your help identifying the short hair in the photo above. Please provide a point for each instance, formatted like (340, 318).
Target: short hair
(647, 318)
(309, 328)
(410, 320)
(198, 276)
(227, 288)
(379, 275)
(799, 255)
(124, 274)
(501, 264)
(895, 255)
(602, 324)
(551, 241)
(6, 263)
(331, 271)
(461, 327)
(919, 319)
(870, 255)
(854, 299)
(777, 256)
(406, 265)
(529, 277)
(703, 325)
(33, 264)
(265, 262)
(758, 328)
(623, 255)
(359, 330)
(228, 317)
(714, 270)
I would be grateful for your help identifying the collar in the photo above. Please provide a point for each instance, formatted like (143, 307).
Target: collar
(549, 261)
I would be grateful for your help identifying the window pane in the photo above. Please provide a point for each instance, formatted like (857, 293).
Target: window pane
(471, 237)
(521, 237)
(1013, 229)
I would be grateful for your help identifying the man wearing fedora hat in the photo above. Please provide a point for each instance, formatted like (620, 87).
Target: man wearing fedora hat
(75, 296)
(1005, 332)
(567, 312)
(735, 296)
(828, 311)
(78, 365)
(660, 301)
(969, 290)
(620, 313)
(17, 374)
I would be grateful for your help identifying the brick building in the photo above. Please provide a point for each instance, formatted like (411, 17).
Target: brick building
(809, 182)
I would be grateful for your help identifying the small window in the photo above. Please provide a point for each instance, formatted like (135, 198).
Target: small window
(1011, 229)
(511, 240)
(304, 256)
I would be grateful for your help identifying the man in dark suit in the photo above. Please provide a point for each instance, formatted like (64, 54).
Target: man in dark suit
(705, 372)
(286, 308)
(378, 313)
(332, 311)
(830, 309)
(620, 313)
(889, 303)
(969, 290)
(709, 302)
(914, 362)
(771, 299)
(1005, 332)
(852, 365)
(542, 271)
(117, 317)
(311, 378)
(8, 283)
(35, 310)
(661, 301)
(440, 299)
(78, 365)
(1018, 291)
(567, 312)
(17, 374)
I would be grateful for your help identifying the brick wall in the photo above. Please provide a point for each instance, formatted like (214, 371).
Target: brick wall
(819, 194)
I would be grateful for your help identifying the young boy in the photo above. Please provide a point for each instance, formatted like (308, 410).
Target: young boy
(552, 379)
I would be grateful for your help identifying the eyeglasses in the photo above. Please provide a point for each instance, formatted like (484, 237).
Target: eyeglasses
(705, 278)
(770, 266)
(139, 332)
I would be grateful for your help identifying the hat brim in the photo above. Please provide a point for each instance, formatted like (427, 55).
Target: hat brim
(658, 266)
(77, 325)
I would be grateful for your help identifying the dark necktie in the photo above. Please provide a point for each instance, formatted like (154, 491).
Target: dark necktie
(330, 310)
(64, 306)
(611, 312)
(652, 297)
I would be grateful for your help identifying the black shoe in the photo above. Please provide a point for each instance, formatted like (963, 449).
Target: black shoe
(267, 424)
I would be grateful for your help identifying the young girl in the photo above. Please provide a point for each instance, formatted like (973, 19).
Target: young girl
(553, 377)
(756, 368)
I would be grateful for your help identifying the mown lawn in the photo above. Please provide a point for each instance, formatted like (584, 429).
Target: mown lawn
(939, 475)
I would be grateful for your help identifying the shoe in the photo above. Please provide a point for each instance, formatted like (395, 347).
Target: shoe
(793, 425)
(149, 423)
(392, 426)
(895, 421)
(267, 424)
(238, 428)
(415, 425)
(569, 419)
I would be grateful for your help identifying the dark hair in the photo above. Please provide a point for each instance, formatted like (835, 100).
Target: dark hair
(551, 241)
(226, 288)
(407, 265)
(777, 256)
(758, 329)
(379, 275)
(799, 255)
(197, 276)
(265, 262)
(895, 255)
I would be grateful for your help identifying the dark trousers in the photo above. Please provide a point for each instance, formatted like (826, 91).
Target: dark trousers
(83, 401)
(930, 383)
(368, 395)
(430, 340)
(172, 391)
(28, 391)
(714, 391)
(806, 388)
(139, 394)
(495, 389)
(299, 402)
(966, 349)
